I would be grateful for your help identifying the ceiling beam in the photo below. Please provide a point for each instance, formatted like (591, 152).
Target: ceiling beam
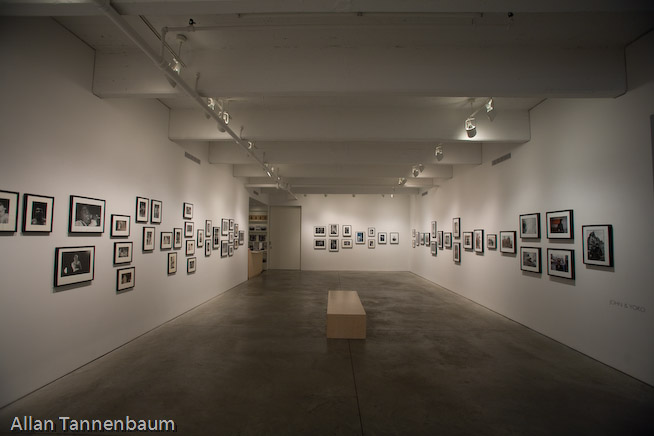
(344, 171)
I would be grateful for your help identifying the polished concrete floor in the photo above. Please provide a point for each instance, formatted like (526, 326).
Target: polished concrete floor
(255, 361)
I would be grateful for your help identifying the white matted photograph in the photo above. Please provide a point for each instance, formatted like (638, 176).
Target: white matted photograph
(333, 230)
(598, 244)
(8, 211)
(381, 237)
(122, 252)
(507, 241)
(530, 225)
(360, 238)
(74, 265)
(320, 231)
(125, 279)
(346, 243)
(156, 211)
(560, 224)
(333, 245)
(142, 208)
(120, 226)
(394, 237)
(319, 244)
(172, 262)
(86, 215)
(530, 259)
(187, 211)
(148, 238)
(561, 263)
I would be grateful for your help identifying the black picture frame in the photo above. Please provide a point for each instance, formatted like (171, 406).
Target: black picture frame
(333, 230)
(224, 225)
(561, 263)
(37, 213)
(439, 237)
(382, 237)
(530, 259)
(467, 241)
(207, 247)
(120, 226)
(448, 239)
(177, 238)
(9, 211)
(456, 252)
(189, 229)
(434, 229)
(166, 240)
(191, 265)
(172, 262)
(529, 225)
(231, 225)
(319, 244)
(560, 224)
(190, 247)
(597, 243)
(491, 241)
(74, 265)
(224, 248)
(433, 246)
(230, 250)
(456, 228)
(123, 252)
(125, 279)
(200, 234)
(187, 211)
(216, 238)
(333, 244)
(86, 215)
(507, 241)
(142, 210)
(241, 237)
(207, 228)
(156, 211)
(478, 239)
(149, 234)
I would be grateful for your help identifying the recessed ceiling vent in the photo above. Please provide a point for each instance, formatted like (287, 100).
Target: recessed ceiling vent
(189, 156)
(502, 159)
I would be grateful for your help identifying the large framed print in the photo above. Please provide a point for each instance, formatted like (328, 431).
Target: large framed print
(456, 227)
(319, 231)
(200, 238)
(507, 241)
(37, 213)
(360, 238)
(120, 226)
(191, 264)
(395, 237)
(148, 238)
(491, 241)
(433, 229)
(347, 231)
(142, 205)
(561, 263)
(448, 239)
(187, 212)
(166, 240)
(156, 211)
(74, 265)
(333, 230)
(440, 239)
(530, 259)
(122, 252)
(319, 244)
(86, 215)
(598, 244)
(125, 279)
(224, 224)
(381, 237)
(172, 262)
(560, 224)
(479, 240)
(456, 252)
(346, 243)
(8, 211)
(530, 225)
(333, 245)
(189, 227)
(190, 247)
(224, 247)
(177, 238)
(467, 240)
(216, 238)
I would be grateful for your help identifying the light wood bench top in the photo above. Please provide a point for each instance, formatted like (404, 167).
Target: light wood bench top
(344, 303)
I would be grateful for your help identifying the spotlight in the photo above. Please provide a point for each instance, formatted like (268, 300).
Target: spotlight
(471, 129)
(401, 181)
(250, 145)
(421, 167)
(176, 66)
(225, 117)
(392, 195)
(211, 103)
(415, 171)
(439, 152)
(490, 109)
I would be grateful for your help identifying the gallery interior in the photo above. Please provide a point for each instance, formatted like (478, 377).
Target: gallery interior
(183, 183)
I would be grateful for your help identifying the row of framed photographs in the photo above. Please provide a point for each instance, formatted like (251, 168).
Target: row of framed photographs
(346, 232)
(382, 238)
(560, 225)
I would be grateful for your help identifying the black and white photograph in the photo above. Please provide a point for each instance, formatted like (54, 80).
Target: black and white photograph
(191, 265)
(360, 238)
(467, 241)
(74, 265)
(440, 239)
(433, 248)
(427, 239)
(530, 259)
(395, 237)
(371, 243)
(190, 247)
(122, 252)
(177, 238)
(333, 245)
(224, 247)
(319, 231)
(479, 240)
(456, 228)
(156, 211)
(319, 244)
(120, 226)
(381, 237)
(224, 225)
(560, 224)
(434, 228)
(530, 225)
(235, 228)
(8, 211)
(230, 250)
(166, 240)
(172, 262)
(333, 230)
(347, 231)
(371, 232)
(413, 243)
(448, 239)
(148, 238)
(561, 263)
(200, 238)
(231, 225)
(491, 241)
(456, 252)
(598, 244)
(189, 229)
(346, 243)
(207, 247)
(507, 241)
(241, 237)
(86, 215)
(207, 228)
(125, 279)
(142, 208)
(216, 238)
(230, 237)
(187, 212)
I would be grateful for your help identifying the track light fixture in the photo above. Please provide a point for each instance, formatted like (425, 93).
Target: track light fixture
(438, 152)
(176, 66)
(250, 145)
(417, 169)
(401, 181)
(490, 109)
(211, 103)
(471, 129)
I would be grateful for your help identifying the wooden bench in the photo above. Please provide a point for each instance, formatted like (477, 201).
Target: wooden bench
(346, 318)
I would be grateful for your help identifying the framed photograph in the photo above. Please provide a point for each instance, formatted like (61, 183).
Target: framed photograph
(333, 230)
(156, 211)
(231, 225)
(530, 259)
(74, 265)
(507, 241)
(371, 243)
(230, 237)
(235, 228)
(122, 252)
(467, 241)
(319, 231)
(191, 265)
(166, 240)
(433, 248)
(395, 237)
(207, 228)
(346, 243)
(530, 225)
(333, 245)
(235, 244)
(371, 232)
(491, 241)
(241, 237)
(177, 238)
(456, 227)
(148, 238)
(224, 223)
(413, 243)
(560, 224)
(8, 211)
(142, 205)
(190, 247)
(561, 263)
(413, 233)
(360, 238)
(319, 244)
(347, 231)
(189, 227)
(216, 238)
(224, 247)
(120, 226)
(479, 240)
(440, 239)
(433, 229)
(172, 262)
(86, 215)
(187, 212)
(598, 244)
(207, 247)
(125, 279)
(200, 238)
(456, 252)
(381, 237)
(427, 239)
(421, 239)
(448, 239)
(230, 250)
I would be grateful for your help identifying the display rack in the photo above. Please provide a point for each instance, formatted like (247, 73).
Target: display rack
(258, 234)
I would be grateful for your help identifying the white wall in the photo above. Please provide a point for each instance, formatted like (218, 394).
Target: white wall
(58, 139)
(592, 156)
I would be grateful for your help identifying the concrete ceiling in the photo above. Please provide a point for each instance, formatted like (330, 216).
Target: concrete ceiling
(346, 96)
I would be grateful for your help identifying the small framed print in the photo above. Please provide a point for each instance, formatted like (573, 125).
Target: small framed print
(467, 241)
(421, 239)
(479, 240)
(189, 229)
(456, 252)
(433, 248)
(125, 279)
(360, 238)
(346, 243)
(433, 229)
(440, 239)
(207, 228)
(598, 244)
(177, 238)
(216, 238)
(241, 237)
(200, 238)
(191, 265)
(172, 262)
(395, 237)
(560, 224)
(235, 244)
(148, 238)
(74, 265)
(190, 247)
(530, 259)
(413, 233)
(122, 252)
(230, 250)
(236, 228)
(561, 263)
(371, 243)
(413, 243)
(120, 225)
(347, 231)
(456, 227)
(448, 239)
(231, 225)
(507, 241)
(187, 212)
(166, 241)
(381, 237)
(530, 225)
(427, 239)
(319, 244)
(491, 241)
(86, 215)
(224, 223)
(224, 250)
(333, 230)
(156, 211)
(37, 213)
(8, 211)
(142, 206)
(371, 232)
(230, 237)
(207, 247)
(319, 231)
(333, 245)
